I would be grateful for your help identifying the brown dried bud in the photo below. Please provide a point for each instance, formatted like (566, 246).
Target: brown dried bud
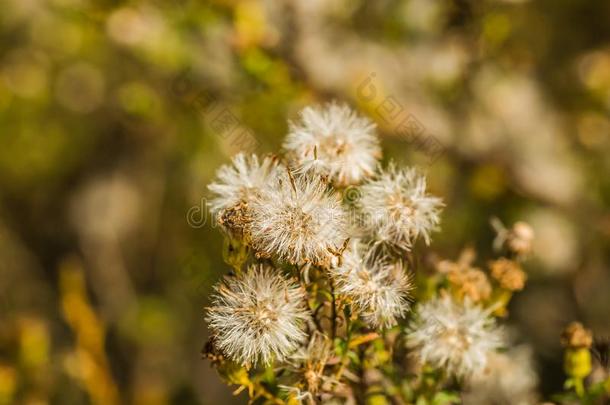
(236, 221)
(210, 352)
(463, 263)
(575, 336)
(470, 282)
(508, 273)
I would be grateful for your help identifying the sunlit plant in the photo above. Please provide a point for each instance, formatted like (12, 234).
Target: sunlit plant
(326, 300)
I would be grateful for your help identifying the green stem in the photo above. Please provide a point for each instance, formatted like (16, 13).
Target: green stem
(333, 311)
(579, 387)
(344, 357)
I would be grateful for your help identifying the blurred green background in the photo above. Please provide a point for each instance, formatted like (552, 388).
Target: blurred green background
(115, 115)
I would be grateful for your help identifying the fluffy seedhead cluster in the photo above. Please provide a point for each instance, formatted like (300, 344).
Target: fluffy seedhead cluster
(456, 337)
(376, 287)
(318, 303)
(258, 316)
(397, 208)
(333, 142)
(298, 220)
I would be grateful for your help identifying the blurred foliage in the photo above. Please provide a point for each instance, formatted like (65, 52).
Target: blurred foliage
(110, 118)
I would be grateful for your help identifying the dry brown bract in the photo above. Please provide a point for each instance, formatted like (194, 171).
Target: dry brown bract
(576, 336)
(508, 273)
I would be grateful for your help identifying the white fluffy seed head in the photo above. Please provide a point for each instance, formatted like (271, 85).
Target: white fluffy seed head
(397, 209)
(457, 337)
(241, 180)
(334, 141)
(258, 316)
(378, 288)
(298, 220)
(509, 379)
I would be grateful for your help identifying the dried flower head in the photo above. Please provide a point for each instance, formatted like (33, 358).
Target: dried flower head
(471, 283)
(377, 287)
(508, 379)
(258, 316)
(308, 363)
(298, 220)
(466, 280)
(508, 273)
(464, 261)
(455, 336)
(576, 336)
(397, 208)
(211, 352)
(335, 142)
(236, 185)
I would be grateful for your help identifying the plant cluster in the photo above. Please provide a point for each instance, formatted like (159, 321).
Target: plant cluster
(327, 300)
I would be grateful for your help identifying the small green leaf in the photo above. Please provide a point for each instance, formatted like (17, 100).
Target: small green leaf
(443, 398)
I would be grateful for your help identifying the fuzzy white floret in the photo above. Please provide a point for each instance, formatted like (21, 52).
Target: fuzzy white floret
(377, 287)
(334, 141)
(298, 220)
(258, 316)
(240, 180)
(397, 209)
(457, 337)
(509, 379)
